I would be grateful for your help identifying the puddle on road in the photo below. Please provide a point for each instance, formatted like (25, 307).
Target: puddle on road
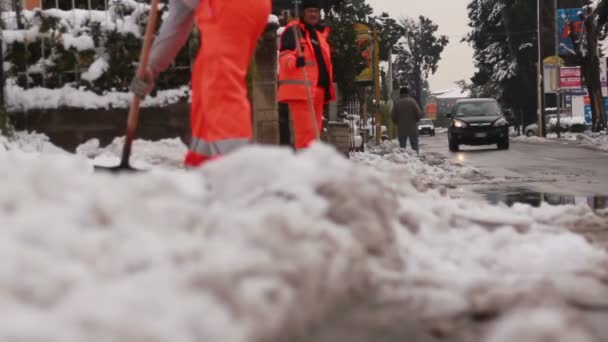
(511, 196)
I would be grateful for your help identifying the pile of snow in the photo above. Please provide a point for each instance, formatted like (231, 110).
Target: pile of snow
(546, 323)
(429, 169)
(567, 121)
(19, 99)
(216, 255)
(165, 154)
(262, 245)
(531, 139)
(597, 140)
(31, 143)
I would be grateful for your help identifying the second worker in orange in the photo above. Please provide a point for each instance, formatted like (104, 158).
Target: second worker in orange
(315, 58)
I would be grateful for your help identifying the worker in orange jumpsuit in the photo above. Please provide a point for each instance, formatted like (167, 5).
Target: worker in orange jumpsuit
(221, 113)
(315, 58)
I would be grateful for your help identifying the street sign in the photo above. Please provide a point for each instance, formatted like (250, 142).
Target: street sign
(587, 110)
(551, 78)
(578, 106)
(570, 95)
(588, 113)
(570, 78)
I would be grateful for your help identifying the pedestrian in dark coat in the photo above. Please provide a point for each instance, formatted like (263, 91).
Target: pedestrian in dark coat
(406, 115)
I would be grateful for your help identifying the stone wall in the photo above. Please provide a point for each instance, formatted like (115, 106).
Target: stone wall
(264, 97)
(70, 127)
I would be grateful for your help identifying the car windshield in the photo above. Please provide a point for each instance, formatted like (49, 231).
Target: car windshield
(426, 122)
(478, 108)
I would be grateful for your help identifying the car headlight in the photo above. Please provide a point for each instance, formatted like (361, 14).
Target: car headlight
(460, 124)
(501, 122)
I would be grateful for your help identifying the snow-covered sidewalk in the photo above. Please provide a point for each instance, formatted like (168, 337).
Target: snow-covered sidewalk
(595, 141)
(264, 244)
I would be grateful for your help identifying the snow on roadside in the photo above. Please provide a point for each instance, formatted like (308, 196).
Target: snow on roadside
(428, 168)
(596, 141)
(532, 139)
(260, 244)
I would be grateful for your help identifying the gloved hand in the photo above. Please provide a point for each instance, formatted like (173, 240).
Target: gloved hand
(300, 62)
(142, 88)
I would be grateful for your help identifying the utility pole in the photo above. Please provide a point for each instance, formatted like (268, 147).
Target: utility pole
(2, 83)
(558, 78)
(17, 8)
(539, 75)
(389, 85)
(3, 112)
(376, 73)
(297, 8)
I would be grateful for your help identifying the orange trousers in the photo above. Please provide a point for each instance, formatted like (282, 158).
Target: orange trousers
(302, 120)
(220, 117)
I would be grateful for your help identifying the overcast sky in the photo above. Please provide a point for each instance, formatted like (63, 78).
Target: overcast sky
(451, 16)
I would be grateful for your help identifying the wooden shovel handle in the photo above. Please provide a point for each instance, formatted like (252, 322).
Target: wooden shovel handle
(144, 56)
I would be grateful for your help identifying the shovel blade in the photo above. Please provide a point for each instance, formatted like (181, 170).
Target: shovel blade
(117, 169)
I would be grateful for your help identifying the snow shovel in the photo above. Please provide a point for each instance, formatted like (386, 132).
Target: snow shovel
(133, 117)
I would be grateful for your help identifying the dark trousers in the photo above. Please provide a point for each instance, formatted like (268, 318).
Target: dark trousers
(413, 142)
(284, 127)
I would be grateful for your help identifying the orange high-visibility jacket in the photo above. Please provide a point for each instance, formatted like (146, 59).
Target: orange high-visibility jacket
(291, 78)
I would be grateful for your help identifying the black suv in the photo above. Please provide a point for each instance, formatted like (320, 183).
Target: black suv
(478, 122)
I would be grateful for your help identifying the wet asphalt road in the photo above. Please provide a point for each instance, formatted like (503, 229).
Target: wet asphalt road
(571, 172)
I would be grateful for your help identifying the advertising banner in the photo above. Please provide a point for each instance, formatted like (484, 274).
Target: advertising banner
(569, 26)
(364, 40)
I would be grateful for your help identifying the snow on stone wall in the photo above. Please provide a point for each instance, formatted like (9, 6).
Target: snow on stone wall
(20, 100)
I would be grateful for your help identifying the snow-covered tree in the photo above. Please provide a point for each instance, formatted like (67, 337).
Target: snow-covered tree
(419, 53)
(390, 32)
(503, 36)
(595, 18)
(347, 57)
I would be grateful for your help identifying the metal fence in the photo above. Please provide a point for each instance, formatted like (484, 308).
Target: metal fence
(353, 107)
(74, 4)
(34, 75)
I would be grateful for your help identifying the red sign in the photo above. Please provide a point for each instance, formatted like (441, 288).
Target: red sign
(570, 78)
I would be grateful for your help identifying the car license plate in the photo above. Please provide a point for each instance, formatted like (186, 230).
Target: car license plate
(481, 135)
